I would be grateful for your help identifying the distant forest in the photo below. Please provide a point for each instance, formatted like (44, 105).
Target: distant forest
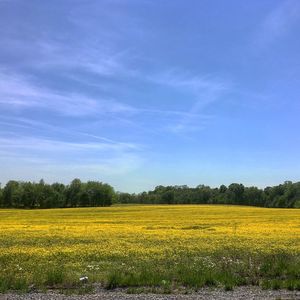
(19, 194)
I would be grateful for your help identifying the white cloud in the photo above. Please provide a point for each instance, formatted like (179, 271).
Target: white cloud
(27, 157)
(30, 168)
(277, 23)
(47, 145)
(85, 56)
(17, 91)
(195, 84)
(202, 91)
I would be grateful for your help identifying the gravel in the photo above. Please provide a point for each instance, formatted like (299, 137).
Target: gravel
(207, 294)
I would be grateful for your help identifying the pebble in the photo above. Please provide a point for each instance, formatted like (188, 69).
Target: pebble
(240, 293)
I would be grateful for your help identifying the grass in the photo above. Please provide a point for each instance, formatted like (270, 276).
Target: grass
(156, 248)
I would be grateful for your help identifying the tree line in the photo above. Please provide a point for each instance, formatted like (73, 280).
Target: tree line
(283, 195)
(19, 194)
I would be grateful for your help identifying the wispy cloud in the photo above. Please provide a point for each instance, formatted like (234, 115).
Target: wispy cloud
(71, 49)
(43, 156)
(179, 79)
(67, 133)
(47, 145)
(201, 92)
(18, 91)
(35, 168)
(87, 61)
(87, 56)
(277, 23)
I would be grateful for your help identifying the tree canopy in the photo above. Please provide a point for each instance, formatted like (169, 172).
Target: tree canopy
(20, 194)
(283, 195)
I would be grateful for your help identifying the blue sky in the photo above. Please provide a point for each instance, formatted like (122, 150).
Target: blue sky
(139, 93)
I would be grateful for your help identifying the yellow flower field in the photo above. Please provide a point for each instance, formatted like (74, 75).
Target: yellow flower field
(96, 241)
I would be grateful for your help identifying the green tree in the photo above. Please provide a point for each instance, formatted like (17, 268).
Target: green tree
(100, 194)
(235, 193)
(1, 196)
(29, 195)
(73, 193)
(10, 196)
(253, 196)
(168, 197)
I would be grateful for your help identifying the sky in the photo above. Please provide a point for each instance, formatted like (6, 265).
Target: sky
(140, 93)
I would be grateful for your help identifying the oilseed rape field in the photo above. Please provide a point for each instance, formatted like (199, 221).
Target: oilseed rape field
(155, 246)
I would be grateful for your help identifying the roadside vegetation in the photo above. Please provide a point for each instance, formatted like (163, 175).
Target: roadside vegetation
(149, 248)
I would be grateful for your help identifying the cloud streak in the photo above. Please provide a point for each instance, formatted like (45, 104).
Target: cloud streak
(202, 90)
(19, 92)
(277, 23)
(47, 145)
(89, 57)
(47, 157)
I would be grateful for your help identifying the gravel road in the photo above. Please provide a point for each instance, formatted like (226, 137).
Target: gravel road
(240, 293)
